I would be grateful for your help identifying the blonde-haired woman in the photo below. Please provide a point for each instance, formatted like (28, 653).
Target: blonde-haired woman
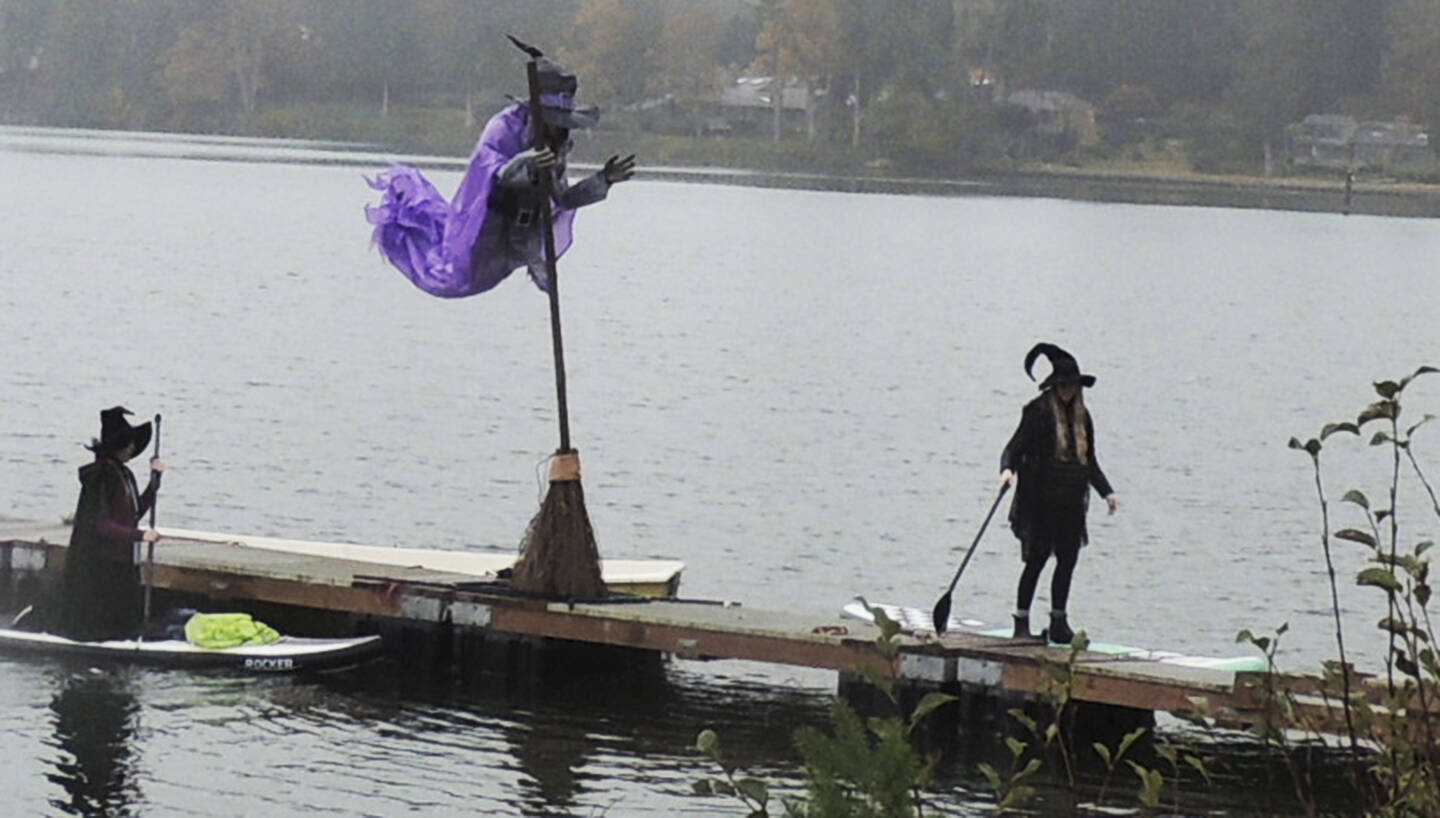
(1051, 461)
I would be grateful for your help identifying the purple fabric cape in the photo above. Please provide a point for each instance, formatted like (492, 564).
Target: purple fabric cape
(458, 248)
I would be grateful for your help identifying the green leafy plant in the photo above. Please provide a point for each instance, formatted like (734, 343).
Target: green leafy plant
(861, 768)
(1175, 756)
(752, 792)
(1011, 791)
(871, 767)
(1401, 776)
(1112, 758)
(1059, 687)
(1152, 784)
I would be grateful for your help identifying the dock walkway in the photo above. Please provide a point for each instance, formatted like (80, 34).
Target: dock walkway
(460, 590)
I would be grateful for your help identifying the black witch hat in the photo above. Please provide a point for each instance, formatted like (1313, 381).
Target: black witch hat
(1063, 367)
(557, 92)
(116, 433)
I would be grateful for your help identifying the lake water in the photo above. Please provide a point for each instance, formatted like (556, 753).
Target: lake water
(801, 394)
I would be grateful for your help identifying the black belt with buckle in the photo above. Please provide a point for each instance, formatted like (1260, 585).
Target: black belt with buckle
(504, 202)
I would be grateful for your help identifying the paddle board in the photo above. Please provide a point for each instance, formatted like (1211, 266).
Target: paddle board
(291, 654)
(917, 621)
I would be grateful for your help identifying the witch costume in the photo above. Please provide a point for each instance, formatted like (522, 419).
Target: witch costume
(492, 227)
(1052, 453)
(102, 594)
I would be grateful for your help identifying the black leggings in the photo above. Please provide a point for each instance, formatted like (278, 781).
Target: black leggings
(1065, 559)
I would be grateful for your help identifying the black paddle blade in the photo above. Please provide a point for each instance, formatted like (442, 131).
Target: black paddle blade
(940, 617)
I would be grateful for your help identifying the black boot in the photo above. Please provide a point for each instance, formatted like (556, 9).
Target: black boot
(1060, 632)
(1022, 627)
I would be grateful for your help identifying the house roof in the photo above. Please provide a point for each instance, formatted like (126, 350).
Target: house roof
(1395, 134)
(1037, 100)
(754, 92)
(1329, 127)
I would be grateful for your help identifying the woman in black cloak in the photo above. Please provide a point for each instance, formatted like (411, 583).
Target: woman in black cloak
(1051, 459)
(102, 594)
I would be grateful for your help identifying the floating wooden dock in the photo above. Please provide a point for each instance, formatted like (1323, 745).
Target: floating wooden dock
(333, 589)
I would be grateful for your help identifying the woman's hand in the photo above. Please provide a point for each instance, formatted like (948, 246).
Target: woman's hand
(151, 536)
(1113, 501)
(1007, 477)
(157, 465)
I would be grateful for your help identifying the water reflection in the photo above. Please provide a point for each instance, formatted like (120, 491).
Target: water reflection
(573, 739)
(551, 751)
(95, 721)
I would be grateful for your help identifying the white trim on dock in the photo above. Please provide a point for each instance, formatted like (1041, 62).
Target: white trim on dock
(479, 564)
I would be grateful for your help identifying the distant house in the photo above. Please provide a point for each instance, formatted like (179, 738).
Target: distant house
(1322, 140)
(1062, 121)
(743, 107)
(746, 104)
(1397, 144)
(1336, 141)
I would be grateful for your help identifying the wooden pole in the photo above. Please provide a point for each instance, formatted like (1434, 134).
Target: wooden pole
(559, 557)
(537, 140)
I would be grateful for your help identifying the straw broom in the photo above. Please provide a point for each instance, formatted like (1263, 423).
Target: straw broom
(558, 554)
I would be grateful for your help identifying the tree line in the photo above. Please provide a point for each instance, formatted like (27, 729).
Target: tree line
(923, 79)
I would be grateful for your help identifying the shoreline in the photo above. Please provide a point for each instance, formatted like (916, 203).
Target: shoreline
(1371, 199)
(1183, 189)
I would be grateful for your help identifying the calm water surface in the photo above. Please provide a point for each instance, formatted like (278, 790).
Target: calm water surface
(802, 395)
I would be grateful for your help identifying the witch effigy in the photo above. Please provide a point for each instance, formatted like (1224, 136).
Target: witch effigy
(514, 208)
(101, 598)
(467, 245)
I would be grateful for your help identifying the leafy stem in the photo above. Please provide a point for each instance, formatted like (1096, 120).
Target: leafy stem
(1313, 448)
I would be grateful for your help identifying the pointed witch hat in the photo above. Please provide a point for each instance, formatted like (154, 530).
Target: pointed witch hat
(1063, 367)
(116, 432)
(557, 92)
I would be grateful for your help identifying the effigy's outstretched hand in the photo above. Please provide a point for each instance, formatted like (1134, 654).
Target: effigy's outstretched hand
(619, 170)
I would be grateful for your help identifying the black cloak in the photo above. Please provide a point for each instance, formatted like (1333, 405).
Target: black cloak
(102, 594)
(1051, 495)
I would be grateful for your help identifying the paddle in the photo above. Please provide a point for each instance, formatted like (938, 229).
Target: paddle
(150, 547)
(941, 615)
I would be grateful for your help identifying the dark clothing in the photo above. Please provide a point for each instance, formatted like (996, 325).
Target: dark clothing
(515, 203)
(102, 594)
(1065, 561)
(1052, 494)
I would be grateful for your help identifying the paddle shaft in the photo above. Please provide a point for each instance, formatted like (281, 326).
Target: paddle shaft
(538, 140)
(968, 554)
(150, 546)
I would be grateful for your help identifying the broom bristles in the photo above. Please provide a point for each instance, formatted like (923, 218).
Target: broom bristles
(559, 556)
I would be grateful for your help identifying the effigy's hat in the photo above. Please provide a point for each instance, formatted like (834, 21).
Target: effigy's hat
(1063, 367)
(557, 92)
(557, 97)
(116, 432)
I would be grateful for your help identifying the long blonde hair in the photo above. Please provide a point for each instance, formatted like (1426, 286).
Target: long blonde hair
(1071, 423)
